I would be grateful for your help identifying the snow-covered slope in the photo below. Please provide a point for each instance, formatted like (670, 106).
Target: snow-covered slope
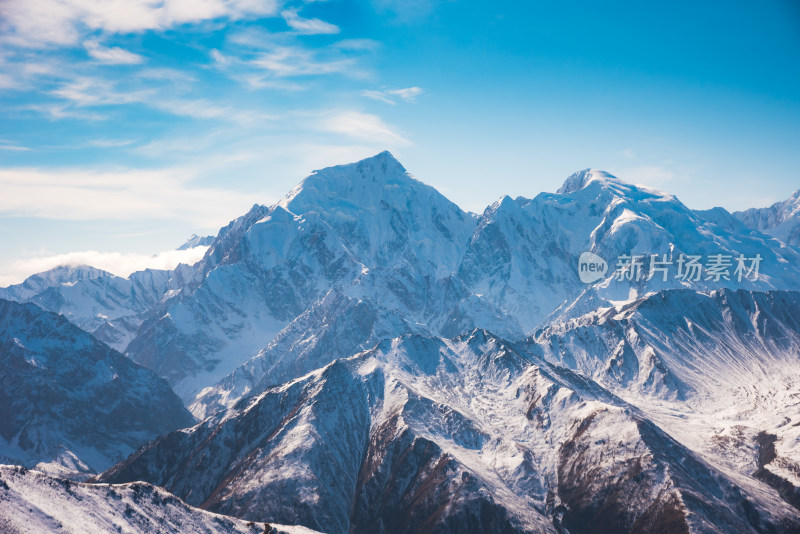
(368, 229)
(69, 403)
(461, 435)
(368, 234)
(719, 371)
(781, 220)
(34, 503)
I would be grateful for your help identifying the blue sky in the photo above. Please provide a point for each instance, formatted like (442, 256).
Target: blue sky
(126, 126)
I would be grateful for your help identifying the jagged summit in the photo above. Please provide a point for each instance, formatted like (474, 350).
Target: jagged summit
(360, 184)
(197, 241)
(581, 179)
(780, 220)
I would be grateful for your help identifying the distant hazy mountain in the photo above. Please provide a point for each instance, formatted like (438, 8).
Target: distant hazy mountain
(110, 307)
(781, 220)
(69, 403)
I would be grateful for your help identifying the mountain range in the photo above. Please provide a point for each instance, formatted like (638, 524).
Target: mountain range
(365, 356)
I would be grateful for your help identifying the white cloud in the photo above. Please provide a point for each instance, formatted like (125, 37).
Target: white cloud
(39, 23)
(308, 26)
(390, 96)
(123, 195)
(113, 56)
(363, 126)
(203, 109)
(118, 263)
(86, 92)
(295, 61)
(90, 91)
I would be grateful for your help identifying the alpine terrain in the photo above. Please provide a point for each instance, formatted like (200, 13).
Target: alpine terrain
(365, 356)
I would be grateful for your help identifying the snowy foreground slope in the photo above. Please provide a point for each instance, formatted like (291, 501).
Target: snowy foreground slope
(69, 403)
(35, 503)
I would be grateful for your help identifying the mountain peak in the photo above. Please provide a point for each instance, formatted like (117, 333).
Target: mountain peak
(581, 179)
(367, 177)
(197, 241)
(347, 190)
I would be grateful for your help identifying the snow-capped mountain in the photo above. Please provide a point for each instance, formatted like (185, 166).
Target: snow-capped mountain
(524, 254)
(781, 220)
(516, 268)
(368, 229)
(32, 503)
(70, 404)
(470, 434)
(346, 349)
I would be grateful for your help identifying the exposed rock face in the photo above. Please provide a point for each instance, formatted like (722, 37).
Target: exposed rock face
(463, 435)
(70, 403)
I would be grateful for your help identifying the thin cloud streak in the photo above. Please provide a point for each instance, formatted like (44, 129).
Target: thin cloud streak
(113, 56)
(124, 195)
(308, 26)
(363, 126)
(118, 263)
(391, 96)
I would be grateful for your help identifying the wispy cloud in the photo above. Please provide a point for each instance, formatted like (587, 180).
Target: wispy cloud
(122, 195)
(110, 143)
(202, 108)
(391, 96)
(285, 61)
(307, 26)
(282, 61)
(95, 91)
(362, 126)
(113, 55)
(118, 263)
(12, 146)
(62, 111)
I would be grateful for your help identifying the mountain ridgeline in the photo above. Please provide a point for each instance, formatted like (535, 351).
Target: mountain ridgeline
(365, 356)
